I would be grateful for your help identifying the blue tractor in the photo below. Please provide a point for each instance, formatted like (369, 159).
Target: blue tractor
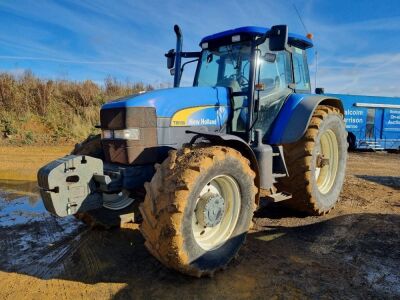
(191, 164)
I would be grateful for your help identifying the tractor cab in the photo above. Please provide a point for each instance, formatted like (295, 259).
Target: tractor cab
(261, 67)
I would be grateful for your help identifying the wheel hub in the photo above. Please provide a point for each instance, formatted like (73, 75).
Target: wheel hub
(327, 161)
(210, 210)
(322, 161)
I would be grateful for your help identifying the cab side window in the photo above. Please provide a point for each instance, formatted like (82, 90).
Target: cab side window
(300, 68)
(274, 75)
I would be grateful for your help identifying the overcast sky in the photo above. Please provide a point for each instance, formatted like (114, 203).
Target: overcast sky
(358, 42)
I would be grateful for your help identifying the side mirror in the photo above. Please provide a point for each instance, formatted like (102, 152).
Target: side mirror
(320, 91)
(170, 55)
(278, 37)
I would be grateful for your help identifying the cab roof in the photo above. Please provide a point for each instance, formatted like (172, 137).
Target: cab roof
(294, 39)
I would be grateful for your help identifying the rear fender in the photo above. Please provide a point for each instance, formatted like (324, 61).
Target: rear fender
(295, 115)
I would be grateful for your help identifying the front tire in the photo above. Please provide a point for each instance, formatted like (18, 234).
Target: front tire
(317, 163)
(91, 147)
(198, 208)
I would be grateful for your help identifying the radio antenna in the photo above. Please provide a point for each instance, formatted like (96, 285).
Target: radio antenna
(301, 20)
(316, 68)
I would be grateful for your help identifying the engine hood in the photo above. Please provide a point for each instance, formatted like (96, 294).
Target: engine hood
(168, 101)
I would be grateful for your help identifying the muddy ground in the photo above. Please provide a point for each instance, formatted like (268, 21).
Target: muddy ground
(22, 162)
(354, 252)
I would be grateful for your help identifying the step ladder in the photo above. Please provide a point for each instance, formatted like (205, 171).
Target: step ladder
(278, 197)
(369, 145)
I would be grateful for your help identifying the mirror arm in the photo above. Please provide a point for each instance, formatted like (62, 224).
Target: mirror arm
(188, 62)
(262, 39)
(190, 54)
(183, 66)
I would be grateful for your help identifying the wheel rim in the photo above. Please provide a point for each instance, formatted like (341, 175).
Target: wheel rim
(211, 237)
(117, 201)
(327, 161)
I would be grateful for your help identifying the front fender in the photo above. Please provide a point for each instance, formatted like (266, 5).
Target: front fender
(233, 141)
(295, 115)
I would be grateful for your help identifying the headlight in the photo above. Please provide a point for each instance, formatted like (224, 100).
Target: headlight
(127, 134)
(123, 134)
(106, 134)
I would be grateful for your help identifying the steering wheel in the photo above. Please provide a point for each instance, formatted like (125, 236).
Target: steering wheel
(243, 80)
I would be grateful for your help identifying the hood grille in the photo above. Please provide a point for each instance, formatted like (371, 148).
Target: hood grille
(130, 152)
(128, 117)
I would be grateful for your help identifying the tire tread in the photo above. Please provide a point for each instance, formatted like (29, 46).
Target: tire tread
(168, 191)
(298, 157)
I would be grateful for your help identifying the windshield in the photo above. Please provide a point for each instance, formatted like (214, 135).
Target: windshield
(227, 66)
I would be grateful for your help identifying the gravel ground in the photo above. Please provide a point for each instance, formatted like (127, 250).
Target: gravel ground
(351, 253)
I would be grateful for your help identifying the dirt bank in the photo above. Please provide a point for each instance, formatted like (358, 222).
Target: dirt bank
(22, 163)
(350, 253)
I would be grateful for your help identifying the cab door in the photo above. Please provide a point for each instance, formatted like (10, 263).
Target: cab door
(300, 70)
(273, 77)
(370, 124)
(379, 123)
(374, 124)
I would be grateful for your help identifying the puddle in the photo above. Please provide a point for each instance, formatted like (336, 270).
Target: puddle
(20, 203)
(20, 211)
(11, 189)
(32, 240)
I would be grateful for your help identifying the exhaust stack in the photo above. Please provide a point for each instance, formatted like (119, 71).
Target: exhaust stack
(179, 42)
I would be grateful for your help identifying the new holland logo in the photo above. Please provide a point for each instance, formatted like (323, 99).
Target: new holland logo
(202, 121)
(200, 116)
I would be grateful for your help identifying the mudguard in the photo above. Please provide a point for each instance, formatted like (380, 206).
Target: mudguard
(219, 138)
(223, 138)
(295, 115)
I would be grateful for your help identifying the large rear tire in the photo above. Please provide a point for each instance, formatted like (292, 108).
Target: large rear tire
(317, 163)
(198, 208)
